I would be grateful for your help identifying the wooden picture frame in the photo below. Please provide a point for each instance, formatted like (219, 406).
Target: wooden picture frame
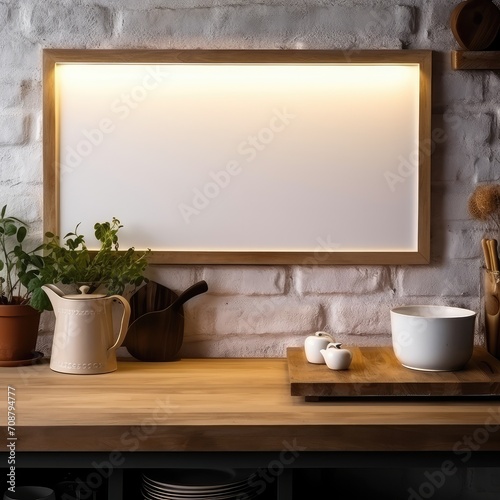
(408, 168)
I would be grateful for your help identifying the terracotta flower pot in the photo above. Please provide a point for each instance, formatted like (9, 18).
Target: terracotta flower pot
(18, 332)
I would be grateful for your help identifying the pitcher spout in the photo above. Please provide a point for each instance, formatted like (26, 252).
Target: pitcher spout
(54, 294)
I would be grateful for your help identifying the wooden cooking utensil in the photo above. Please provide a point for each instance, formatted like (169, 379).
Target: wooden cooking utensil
(492, 308)
(492, 305)
(493, 245)
(157, 333)
(486, 253)
(475, 24)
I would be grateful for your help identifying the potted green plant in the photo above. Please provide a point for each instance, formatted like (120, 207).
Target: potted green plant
(19, 276)
(71, 261)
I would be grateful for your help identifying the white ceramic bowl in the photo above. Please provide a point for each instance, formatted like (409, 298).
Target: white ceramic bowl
(433, 338)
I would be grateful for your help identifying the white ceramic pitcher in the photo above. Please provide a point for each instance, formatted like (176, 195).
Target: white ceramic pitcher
(84, 340)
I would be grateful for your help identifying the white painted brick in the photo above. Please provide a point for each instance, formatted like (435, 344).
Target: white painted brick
(20, 165)
(450, 164)
(13, 128)
(271, 22)
(31, 94)
(440, 38)
(437, 24)
(47, 323)
(451, 159)
(367, 22)
(359, 316)
(487, 169)
(450, 200)
(492, 88)
(4, 15)
(51, 23)
(452, 119)
(405, 19)
(252, 315)
(340, 279)
(177, 278)
(254, 280)
(159, 24)
(10, 94)
(460, 277)
(440, 12)
(239, 346)
(464, 243)
(24, 201)
(458, 86)
(473, 130)
(366, 321)
(194, 4)
(19, 56)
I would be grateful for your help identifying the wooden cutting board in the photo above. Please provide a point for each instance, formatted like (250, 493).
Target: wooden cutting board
(375, 372)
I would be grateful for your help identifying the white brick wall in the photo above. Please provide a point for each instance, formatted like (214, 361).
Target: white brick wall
(13, 129)
(50, 23)
(259, 310)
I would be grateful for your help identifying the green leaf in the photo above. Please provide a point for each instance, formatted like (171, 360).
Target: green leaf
(1, 265)
(30, 280)
(38, 248)
(10, 229)
(2, 214)
(21, 234)
(40, 301)
(34, 283)
(37, 261)
(23, 256)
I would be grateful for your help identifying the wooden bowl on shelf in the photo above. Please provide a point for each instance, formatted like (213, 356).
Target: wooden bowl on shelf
(475, 24)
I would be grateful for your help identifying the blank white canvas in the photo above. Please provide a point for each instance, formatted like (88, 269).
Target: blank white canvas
(234, 157)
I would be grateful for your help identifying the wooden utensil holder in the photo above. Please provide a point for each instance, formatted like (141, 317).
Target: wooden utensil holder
(490, 307)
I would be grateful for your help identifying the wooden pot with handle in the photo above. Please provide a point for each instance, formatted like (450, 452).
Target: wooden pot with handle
(156, 330)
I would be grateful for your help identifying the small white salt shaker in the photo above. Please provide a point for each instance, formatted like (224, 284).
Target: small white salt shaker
(313, 346)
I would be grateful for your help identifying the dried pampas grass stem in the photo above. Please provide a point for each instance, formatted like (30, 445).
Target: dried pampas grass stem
(484, 203)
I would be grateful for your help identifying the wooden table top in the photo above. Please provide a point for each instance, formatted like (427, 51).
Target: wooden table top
(224, 405)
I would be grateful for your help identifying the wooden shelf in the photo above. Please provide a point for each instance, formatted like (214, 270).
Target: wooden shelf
(475, 59)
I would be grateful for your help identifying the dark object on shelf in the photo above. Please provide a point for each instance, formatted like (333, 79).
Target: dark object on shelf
(209, 483)
(156, 328)
(68, 489)
(29, 493)
(475, 24)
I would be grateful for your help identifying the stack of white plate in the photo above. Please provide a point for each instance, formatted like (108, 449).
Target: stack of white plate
(199, 484)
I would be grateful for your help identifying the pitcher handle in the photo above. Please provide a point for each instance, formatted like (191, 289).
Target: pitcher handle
(124, 323)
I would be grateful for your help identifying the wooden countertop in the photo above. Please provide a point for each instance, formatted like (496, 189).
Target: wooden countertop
(225, 405)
